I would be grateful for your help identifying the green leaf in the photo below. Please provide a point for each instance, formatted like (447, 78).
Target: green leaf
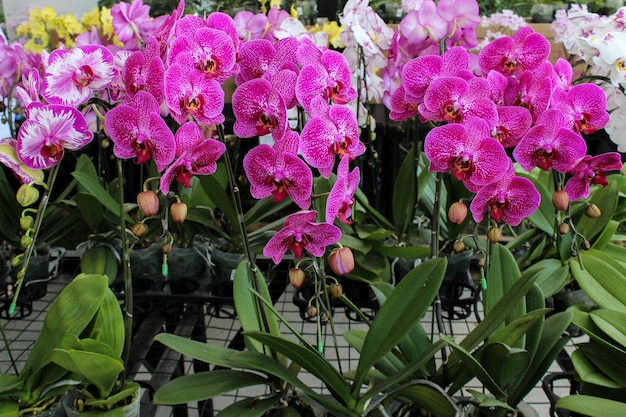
(248, 307)
(611, 364)
(250, 407)
(589, 373)
(404, 192)
(400, 313)
(205, 385)
(592, 406)
(100, 370)
(407, 252)
(606, 200)
(503, 273)
(205, 352)
(543, 217)
(311, 361)
(221, 198)
(606, 235)
(90, 209)
(554, 276)
(429, 397)
(503, 362)
(612, 322)
(605, 285)
(109, 323)
(102, 195)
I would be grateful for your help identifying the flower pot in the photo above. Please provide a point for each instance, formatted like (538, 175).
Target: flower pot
(457, 291)
(146, 262)
(186, 263)
(225, 263)
(130, 410)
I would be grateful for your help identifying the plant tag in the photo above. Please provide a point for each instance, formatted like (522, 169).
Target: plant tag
(232, 274)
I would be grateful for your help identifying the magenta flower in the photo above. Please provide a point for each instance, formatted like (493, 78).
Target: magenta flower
(453, 100)
(330, 79)
(526, 50)
(139, 131)
(144, 70)
(278, 173)
(274, 62)
(420, 72)
(549, 144)
(332, 131)
(300, 233)
(510, 199)
(73, 75)
(467, 151)
(47, 132)
(196, 156)
(212, 50)
(584, 108)
(401, 109)
(259, 110)
(513, 123)
(29, 90)
(341, 197)
(132, 23)
(424, 25)
(9, 158)
(275, 17)
(535, 89)
(591, 169)
(191, 93)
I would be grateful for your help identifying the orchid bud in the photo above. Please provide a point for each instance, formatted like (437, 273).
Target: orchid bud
(457, 212)
(25, 241)
(335, 289)
(311, 311)
(26, 222)
(148, 202)
(17, 260)
(560, 200)
(179, 212)
(27, 195)
(494, 234)
(167, 248)
(593, 211)
(564, 228)
(341, 261)
(458, 246)
(585, 245)
(140, 229)
(296, 277)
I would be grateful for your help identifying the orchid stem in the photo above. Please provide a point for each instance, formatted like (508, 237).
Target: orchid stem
(127, 276)
(434, 251)
(43, 205)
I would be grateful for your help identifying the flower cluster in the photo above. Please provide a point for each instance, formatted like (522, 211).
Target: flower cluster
(600, 41)
(173, 68)
(508, 97)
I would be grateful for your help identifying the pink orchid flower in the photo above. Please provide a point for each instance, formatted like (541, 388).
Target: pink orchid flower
(591, 170)
(509, 199)
(47, 132)
(467, 151)
(259, 110)
(513, 123)
(144, 70)
(274, 62)
(250, 25)
(401, 109)
(196, 156)
(29, 90)
(139, 131)
(10, 159)
(341, 197)
(275, 18)
(535, 89)
(526, 50)
(453, 100)
(300, 233)
(191, 93)
(213, 53)
(330, 79)
(550, 144)
(73, 75)
(277, 171)
(132, 23)
(424, 25)
(332, 131)
(584, 108)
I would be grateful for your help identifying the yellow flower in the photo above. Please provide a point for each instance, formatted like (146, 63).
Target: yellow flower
(91, 19)
(73, 26)
(48, 13)
(107, 22)
(333, 30)
(275, 3)
(293, 11)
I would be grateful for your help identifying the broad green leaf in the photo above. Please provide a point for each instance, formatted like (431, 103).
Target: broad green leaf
(592, 406)
(616, 252)
(601, 282)
(503, 362)
(407, 252)
(205, 385)
(582, 319)
(588, 372)
(222, 199)
(554, 276)
(310, 360)
(8, 408)
(253, 315)
(399, 314)
(404, 192)
(70, 313)
(543, 217)
(606, 235)
(503, 273)
(205, 352)
(610, 363)
(388, 365)
(109, 323)
(370, 267)
(250, 407)
(612, 322)
(606, 200)
(94, 188)
(100, 370)
(90, 209)
(430, 397)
